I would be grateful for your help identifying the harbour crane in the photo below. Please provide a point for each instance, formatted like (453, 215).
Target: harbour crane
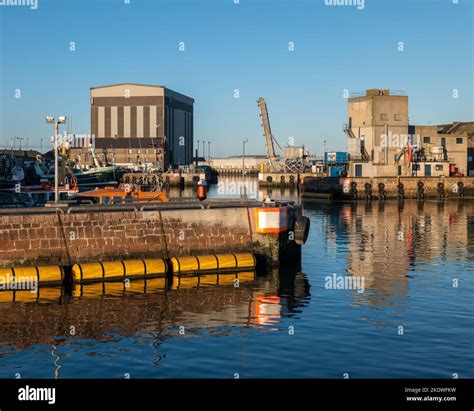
(273, 158)
(291, 163)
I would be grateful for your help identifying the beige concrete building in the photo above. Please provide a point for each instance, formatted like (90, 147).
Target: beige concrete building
(371, 117)
(136, 123)
(236, 162)
(382, 143)
(441, 149)
(459, 137)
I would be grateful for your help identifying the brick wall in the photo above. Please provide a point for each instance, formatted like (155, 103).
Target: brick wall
(39, 239)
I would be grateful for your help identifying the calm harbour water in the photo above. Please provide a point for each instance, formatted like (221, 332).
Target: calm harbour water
(280, 325)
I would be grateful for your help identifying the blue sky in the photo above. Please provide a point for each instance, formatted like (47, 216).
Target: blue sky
(236, 46)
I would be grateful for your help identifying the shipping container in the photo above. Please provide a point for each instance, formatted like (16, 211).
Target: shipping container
(336, 157)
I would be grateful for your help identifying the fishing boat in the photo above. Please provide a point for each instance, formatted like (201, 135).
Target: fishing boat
(33, 196)
(39, 194)
(11, 173)
(100, 175)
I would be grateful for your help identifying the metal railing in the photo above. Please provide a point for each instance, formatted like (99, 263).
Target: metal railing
(135, 207)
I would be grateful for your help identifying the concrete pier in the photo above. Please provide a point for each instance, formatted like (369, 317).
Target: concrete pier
(42, 236)
(282, 179)
(363, 188)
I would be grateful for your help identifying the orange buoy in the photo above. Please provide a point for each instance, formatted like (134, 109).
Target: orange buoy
(202, 190)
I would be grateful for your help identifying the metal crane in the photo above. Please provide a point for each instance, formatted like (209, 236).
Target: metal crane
(267, 134)
(294, 157)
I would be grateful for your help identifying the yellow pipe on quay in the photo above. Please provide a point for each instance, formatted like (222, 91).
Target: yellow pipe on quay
(31, 275)
(22, 278)
(215, 262)
(114, 270)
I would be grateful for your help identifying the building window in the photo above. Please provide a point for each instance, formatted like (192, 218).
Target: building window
(426, 140)
(139, 151)
(384, 117)
(130, 151)
(358, 170)
(397, 117)
(427, 170)
(399, 170)
(439, 167)
(458, 140)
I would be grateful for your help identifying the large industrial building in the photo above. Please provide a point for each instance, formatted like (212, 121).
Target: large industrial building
(382, 143)
(138, 123)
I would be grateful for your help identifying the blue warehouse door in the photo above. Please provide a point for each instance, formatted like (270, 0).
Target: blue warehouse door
(358, 170)
(427, 170)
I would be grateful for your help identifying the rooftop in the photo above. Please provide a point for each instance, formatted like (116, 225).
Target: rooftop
(457, 127)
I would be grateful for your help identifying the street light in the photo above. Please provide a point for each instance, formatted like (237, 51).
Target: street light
(19, 139)
(51, 120)
(209, 152)
(324, 151)
(156, 146)
(245, 139)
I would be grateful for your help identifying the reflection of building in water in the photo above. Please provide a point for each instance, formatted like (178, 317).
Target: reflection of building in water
(378, 247)
(157, 306)
(384, 240)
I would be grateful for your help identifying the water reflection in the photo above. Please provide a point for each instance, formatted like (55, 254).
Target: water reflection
(158, 306)
(389, 244)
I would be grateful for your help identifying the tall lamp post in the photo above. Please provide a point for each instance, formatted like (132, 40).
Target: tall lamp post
(19, 139)
(244, 140)
(52, 120)
(209, 152)
(155, 145)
